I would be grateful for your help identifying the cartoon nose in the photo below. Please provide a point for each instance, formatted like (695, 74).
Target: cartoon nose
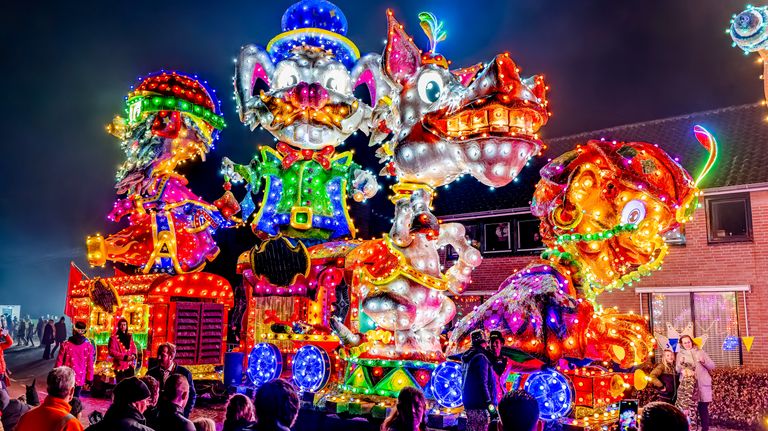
(506, 73)
(306, 95)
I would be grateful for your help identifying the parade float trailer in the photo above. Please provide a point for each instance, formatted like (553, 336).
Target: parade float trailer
(188, 310)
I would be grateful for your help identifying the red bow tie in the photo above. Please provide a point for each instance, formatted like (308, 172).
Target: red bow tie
(292, 155)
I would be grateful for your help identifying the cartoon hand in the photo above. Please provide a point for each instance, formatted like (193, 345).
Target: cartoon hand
(228, 170)
(364, 185)
(622, 338)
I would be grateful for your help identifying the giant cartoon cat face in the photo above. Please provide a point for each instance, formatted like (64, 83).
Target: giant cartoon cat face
(482, 120)
(306, 99)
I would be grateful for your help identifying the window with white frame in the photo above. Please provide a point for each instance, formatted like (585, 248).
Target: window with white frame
(713, 315)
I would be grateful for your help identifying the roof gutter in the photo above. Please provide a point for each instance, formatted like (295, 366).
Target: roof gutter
(715, 191)
(485, 214)
(757, 187)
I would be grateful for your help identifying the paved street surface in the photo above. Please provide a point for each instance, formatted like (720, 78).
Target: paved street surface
(26, 364)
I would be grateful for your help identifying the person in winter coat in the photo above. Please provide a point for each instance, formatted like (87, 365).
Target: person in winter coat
(664, 378)
(173, 398)
(277, 406)
(39, 329)
(408, 414)
(54, 413)
(79, 354)
(479, 393)
(240, 413)
(60, 334)
(49, 337)
(122, 349)
(30, 332)
(166, 353)
(154, 390)
(694, 365)
(131, 398)
(14, 409)
(21, 333)
(5, 342)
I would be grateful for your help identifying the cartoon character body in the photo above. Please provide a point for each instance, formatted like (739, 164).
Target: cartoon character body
(172, 119)
(480, 121)
(300, 89)
(604, 208)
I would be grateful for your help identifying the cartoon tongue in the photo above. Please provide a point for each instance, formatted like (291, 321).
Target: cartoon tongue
(496, 162)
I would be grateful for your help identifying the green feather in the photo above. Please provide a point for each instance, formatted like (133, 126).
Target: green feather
(432, 28)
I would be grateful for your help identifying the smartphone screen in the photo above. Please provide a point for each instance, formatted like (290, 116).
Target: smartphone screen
(628, 415)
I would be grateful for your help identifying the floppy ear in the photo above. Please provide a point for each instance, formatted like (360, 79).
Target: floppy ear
(401, 57)
(253, 64)
(368, 72)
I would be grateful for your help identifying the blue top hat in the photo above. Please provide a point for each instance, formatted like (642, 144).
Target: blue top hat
(317, 23)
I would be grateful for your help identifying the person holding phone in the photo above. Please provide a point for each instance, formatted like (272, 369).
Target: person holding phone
(695, 391)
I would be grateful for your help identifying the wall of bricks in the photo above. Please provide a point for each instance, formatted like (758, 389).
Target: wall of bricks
(694, 264)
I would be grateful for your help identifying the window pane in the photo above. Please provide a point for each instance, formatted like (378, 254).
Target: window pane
(730, 218)
(474, 235)
(528, 236)
(497, 237)
(670, 308)
(676, 236)
(716, 317)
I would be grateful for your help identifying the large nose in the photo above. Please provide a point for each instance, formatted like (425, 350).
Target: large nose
(506, 71)
(306, 95)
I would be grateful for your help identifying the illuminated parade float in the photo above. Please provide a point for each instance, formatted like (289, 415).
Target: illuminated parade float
(353, 321)
(159, 287)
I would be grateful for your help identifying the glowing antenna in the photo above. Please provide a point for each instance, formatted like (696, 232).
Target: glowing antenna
(433, 29)
(708, 141)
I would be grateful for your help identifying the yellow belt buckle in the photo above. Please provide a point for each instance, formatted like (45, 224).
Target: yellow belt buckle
(301, 218)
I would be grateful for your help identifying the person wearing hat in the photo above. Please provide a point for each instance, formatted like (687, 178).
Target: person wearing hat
(479, 388)
(78, 353)
(131, 398)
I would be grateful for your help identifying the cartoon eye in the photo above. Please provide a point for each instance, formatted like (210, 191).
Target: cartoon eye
(430, 86)
(633, 212)
(338, 81)
(286, 76)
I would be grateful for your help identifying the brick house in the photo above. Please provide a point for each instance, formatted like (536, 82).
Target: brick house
(716, 274)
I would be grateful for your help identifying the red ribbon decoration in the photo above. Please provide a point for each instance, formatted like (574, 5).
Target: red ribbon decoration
(291, 155)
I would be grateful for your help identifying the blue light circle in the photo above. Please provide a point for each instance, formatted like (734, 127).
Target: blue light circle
(311, 368)
(552, 391)
(446, 384)
(264, 364)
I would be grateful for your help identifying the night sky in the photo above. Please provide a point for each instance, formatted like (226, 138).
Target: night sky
(66, 68)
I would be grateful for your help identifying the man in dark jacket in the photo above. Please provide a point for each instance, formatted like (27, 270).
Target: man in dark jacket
(479, 393)
(49, 337)
(170, 410)
(39, 329)
(61, 334)
(126, 413)
(166, 353)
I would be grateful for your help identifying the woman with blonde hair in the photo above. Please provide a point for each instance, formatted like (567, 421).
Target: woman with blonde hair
(664, 378)
(204, 424)
(408, 415)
